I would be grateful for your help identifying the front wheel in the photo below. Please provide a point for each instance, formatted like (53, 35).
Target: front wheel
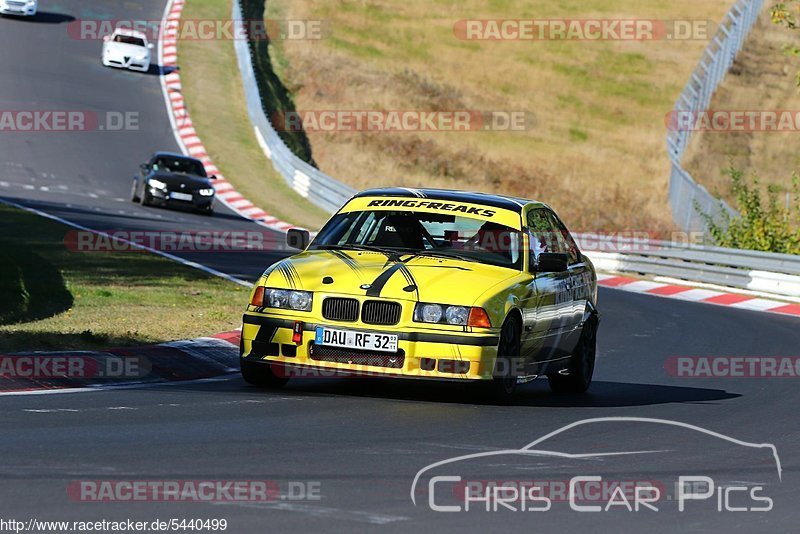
(582, 365)
(501, 388)
(262, 374)
(134, 196)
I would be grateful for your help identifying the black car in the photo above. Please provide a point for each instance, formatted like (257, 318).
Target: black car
(174, 180)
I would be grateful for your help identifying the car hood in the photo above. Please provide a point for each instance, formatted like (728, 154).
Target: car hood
(424, 279)
(125, 49)
(169, 178)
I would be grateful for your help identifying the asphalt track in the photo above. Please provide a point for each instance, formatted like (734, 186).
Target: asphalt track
(362, 441)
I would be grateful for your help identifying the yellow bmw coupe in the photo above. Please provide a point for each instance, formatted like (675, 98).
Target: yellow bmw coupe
(428, 284)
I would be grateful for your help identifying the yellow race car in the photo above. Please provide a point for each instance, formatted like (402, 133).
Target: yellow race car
(428, 284)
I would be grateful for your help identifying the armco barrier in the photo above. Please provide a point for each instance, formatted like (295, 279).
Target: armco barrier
(308, 181)
(778, 274)
(686, 196)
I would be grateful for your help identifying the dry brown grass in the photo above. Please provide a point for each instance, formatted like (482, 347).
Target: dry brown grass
(596, 150)
(762, 78)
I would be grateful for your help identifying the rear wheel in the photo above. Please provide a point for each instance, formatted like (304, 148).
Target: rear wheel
(582, 364)
(262, 374)
(501, 388)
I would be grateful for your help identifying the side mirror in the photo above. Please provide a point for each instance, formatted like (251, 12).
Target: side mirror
(298, 238)
(150, 46)
(106, 38)
(213, 177)
(552, 262)
(143, 167)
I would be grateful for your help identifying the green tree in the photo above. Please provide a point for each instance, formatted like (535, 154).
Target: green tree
(767, 225)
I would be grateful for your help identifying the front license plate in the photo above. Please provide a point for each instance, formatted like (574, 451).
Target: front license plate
(350, 339)
(180, 196)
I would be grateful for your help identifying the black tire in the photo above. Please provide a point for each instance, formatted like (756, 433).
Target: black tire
(261, 374)
(500, 390)
(134, 196)
(145, 200)
(582, 364)
(209, 211)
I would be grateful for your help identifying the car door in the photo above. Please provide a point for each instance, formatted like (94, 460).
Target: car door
(545, 307)
(578, 284)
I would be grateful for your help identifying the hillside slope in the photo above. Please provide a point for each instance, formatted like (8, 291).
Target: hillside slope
(761, 79)
(595, 150)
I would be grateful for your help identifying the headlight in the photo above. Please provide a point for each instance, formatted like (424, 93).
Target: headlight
(300, 300)
(206, 192)
(288, 300)
(158, 184)
(457, 315)
(453, 315)
(431, 313)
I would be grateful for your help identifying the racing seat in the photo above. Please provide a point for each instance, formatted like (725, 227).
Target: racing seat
(399, 231)
(494, 238)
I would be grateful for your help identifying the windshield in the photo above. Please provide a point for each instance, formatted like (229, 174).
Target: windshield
(179, 165)
(128, 39)
(421, 233)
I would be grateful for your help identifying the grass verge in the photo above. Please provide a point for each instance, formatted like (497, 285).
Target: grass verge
(215, 99)
(55, 299)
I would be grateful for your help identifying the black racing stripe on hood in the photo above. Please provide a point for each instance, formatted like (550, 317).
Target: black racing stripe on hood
(378, 284)
(410, 279)
(286, 270)
(297, 281)
(347, 260)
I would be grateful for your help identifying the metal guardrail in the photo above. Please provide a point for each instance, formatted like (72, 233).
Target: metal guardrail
(308, 181)
(767, 272)
(684, 192)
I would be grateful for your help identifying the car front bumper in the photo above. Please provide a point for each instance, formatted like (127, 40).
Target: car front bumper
(163, 197)
(422, 353)
(15, 9)
(123, 63)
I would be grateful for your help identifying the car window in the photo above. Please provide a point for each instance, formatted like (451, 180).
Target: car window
(128, 39)
(564, 239)
(540, 232)
(179, 165)
(478, 240)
